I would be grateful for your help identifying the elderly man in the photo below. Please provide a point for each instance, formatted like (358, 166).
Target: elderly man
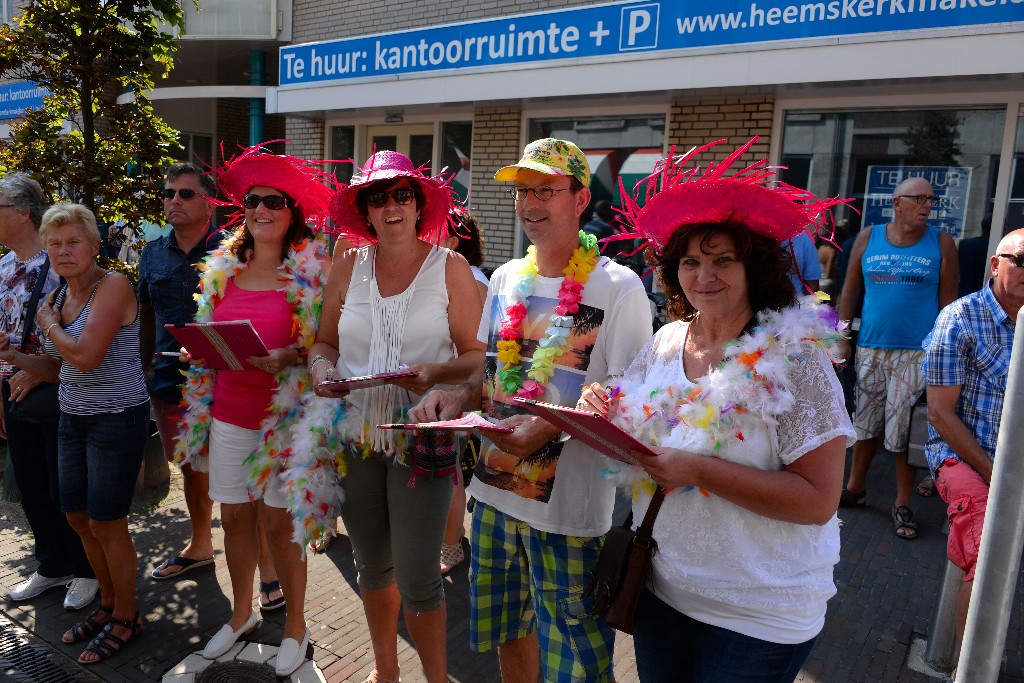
(32, 445)
(966, 368)
(541, 506)
(905, 271)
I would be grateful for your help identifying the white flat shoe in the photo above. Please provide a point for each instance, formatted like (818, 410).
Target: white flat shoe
(291, 655)
(224, 638)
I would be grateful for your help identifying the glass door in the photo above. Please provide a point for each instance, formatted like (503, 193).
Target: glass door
(416, 141)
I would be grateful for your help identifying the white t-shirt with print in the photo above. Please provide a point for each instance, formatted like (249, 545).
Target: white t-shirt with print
(559, 489)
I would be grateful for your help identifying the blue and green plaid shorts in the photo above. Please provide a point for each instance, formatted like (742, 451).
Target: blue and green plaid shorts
(521, 580)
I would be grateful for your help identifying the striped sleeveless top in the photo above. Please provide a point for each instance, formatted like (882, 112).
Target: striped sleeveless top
(116, 383)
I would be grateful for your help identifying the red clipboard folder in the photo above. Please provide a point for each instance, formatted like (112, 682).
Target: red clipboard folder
(591, 428)
(467, 423)
(365, 381)
(222, 345)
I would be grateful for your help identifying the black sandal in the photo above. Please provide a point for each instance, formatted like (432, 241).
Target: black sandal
(106, 644)
(88, 627)
(903, 520)
(853, 499)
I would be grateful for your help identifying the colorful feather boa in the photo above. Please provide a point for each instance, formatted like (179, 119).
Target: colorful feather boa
(304, 272)
(752, 379)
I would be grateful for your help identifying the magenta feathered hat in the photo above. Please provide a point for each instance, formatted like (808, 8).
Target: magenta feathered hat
(304, 181)
(678, 195)
(388, 165)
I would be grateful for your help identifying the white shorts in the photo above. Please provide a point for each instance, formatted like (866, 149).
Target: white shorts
(230, 446)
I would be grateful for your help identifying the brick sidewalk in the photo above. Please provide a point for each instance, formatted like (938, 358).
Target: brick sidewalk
(886, 589)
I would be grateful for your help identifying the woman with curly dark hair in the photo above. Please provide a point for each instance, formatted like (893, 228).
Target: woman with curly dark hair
(739, 401)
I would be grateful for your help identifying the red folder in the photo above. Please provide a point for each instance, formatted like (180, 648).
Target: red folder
(591, 428)
(467, 423)
(222, 345)
(365, 381)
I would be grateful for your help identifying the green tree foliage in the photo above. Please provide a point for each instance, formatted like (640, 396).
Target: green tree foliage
(82, 145)
(933, 141)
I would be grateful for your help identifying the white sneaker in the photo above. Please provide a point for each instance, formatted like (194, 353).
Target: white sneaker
(80, 593)
(35, 585)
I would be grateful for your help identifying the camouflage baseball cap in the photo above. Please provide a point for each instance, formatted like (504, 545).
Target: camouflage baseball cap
(550, 156)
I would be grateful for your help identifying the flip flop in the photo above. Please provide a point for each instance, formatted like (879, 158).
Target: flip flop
(266, 588)
(185, 563)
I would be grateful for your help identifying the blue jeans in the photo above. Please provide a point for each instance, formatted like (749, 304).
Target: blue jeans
(673, 648)
(99, 461)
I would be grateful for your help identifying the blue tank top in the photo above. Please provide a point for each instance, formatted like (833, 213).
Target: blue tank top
(901, 291)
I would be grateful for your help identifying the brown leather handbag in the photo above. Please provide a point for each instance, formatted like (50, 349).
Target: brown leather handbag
(623, 568)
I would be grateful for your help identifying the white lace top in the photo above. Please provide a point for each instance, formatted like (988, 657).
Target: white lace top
(722, 564)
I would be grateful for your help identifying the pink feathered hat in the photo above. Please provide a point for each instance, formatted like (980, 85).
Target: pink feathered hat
(677, 196)
(310, 186)
(388, 165)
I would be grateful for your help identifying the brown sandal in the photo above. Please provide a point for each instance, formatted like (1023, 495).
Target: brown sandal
(88, 627)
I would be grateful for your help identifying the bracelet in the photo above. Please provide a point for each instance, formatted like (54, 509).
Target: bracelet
(46, 332)
(316, 359)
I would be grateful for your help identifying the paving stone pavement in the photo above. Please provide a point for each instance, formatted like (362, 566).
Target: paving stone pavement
(886, 593)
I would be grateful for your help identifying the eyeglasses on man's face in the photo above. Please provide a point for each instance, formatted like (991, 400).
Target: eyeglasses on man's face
(1016, 259)
(184, 193)
(403, 196)
(920, 199)
(543, 193)
(274, 202)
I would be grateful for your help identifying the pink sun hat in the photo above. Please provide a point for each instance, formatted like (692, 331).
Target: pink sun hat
(679, 194)
(388, 165)
(304, 181)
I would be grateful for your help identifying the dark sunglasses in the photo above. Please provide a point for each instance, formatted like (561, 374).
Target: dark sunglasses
(184, 193)
(1017, 259)
(274, 202)
(402, 196)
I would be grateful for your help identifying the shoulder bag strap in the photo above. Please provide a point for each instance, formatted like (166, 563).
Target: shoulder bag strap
(646, 527)
(33, 301)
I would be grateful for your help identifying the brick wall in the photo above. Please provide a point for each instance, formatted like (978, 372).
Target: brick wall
(305, 137)
(233, 128)
(495, 144)
(736, 119)
(314, 20)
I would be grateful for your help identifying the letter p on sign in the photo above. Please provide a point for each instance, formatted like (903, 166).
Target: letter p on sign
(639, 27)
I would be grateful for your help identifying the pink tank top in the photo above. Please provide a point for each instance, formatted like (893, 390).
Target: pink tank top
(242, 397)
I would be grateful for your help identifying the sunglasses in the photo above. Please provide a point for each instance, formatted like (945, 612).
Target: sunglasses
(402, 197)
(1017, 259)
(274, 202)
(920, 199)
(184, 193)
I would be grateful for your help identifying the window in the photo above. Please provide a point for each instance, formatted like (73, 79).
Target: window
(862, 154)
(456, 151)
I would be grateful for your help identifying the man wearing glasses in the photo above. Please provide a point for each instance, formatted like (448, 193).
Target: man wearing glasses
(967, 367)
(168, 279)
(541, 507)
(905, 271)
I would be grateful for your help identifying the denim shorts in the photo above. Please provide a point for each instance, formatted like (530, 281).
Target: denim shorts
(99, 457)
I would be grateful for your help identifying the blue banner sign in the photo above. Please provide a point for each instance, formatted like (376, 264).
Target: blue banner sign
(625, 28)
(951, 184)
(16, 98)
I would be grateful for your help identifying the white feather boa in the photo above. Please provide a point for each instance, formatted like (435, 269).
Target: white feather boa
(754, 378)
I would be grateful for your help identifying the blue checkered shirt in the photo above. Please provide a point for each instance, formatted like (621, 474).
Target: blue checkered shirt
(970, 346)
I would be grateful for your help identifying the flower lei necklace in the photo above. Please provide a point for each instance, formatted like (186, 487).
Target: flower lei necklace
(510, 375)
